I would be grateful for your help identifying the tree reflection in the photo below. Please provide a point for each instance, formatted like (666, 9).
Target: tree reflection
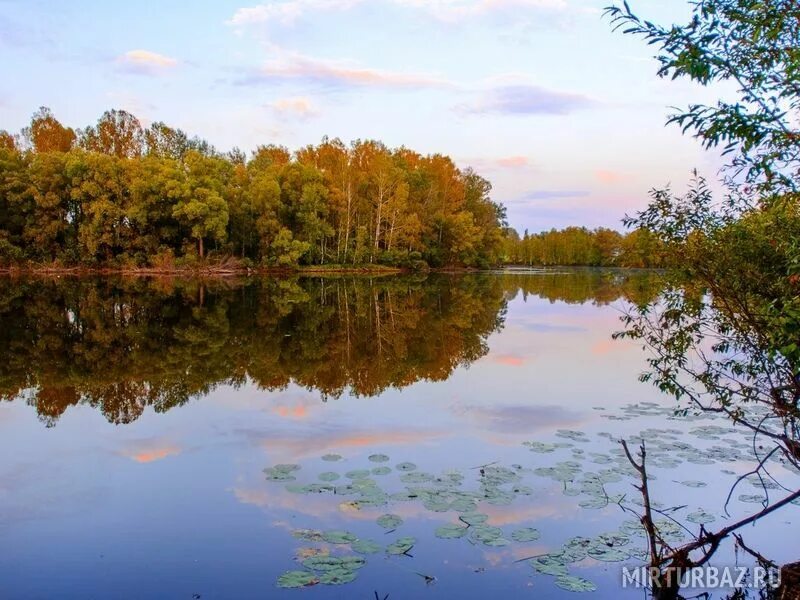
(121, 345)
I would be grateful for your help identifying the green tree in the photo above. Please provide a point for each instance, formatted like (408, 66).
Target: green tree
(724, 337)
(203, 211)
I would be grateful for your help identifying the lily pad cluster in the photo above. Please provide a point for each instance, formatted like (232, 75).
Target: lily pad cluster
(594, 478)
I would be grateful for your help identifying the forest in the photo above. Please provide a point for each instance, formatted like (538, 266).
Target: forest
(579, 246)
(121, 195)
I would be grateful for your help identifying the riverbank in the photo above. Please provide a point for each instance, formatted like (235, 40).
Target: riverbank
(216, 270)
(222, 270)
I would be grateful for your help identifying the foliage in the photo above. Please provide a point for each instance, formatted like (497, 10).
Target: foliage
(755, 45)
(725, 337)
(578, 246)
(731, 334)
(117, 193)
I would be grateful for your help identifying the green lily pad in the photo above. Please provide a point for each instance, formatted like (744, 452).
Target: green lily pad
(572, 583)
(357, 474)
(700, 517)
(526, 534)
(337, 577)
(273, 475)
(339, 537)
(607, 554)
(328, 476)
(389, 521)
(309, 535)
(297, 579)
(378, 458)
(752, 498)
(694, 484)
(406, 466)
(366, 547)
(332, 563)
(473, 518)
(332, 457)
(549, 564)
(381, 470)
(401, 546)
(449, 532)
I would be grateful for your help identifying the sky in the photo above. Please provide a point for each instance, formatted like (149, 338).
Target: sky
(564, 116)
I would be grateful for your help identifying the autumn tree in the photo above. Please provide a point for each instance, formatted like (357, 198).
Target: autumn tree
(117, 133)
(46, 134)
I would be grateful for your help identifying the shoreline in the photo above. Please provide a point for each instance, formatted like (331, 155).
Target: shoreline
(205, 271)
(222, 272)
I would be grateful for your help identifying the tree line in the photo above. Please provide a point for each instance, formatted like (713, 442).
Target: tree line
(579, 246)
(121, 194)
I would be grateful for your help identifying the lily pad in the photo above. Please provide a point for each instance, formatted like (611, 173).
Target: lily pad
(406, 466)
(572, 583)
(701, 517)
(401, 546)
(473, 518)
(526, 534)
(332, 457)
(378, 458)
(309, 535)
(328, 476)
(549, 564)
(449, 532)
(607, 554)
(752, 498)
(366, 547)
(297, 579)
(337, 577)
(339, 537)
(389, 521)
(694, 484)
(333, 563)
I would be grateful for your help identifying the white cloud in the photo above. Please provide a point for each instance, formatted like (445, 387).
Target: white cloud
(288, 11)
(525, 99)
(285, 12)
(455, 10)
(146, 62)
(304, 69)
(298, 107)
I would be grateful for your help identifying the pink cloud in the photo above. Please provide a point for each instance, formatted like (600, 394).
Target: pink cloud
(299, 107)
(610, 177)
(513, 161)
(145, 62)
(150, 451)
(509, 360)
(295, 67)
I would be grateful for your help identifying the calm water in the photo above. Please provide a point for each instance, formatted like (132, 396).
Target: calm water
(139, 416)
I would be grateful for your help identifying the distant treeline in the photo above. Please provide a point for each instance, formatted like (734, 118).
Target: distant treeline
(119, 194)
(578, 246)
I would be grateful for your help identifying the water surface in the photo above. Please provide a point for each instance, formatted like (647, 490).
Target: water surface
(139, 417)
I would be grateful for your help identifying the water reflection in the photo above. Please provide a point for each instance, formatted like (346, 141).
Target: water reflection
(176, 503)
(121, 345)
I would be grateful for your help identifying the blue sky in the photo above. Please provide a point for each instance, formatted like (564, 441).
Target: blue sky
(563, 116)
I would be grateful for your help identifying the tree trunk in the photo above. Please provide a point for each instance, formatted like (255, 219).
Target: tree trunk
(200, 246)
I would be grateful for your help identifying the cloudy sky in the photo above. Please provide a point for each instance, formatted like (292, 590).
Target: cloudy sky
(565, 117)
